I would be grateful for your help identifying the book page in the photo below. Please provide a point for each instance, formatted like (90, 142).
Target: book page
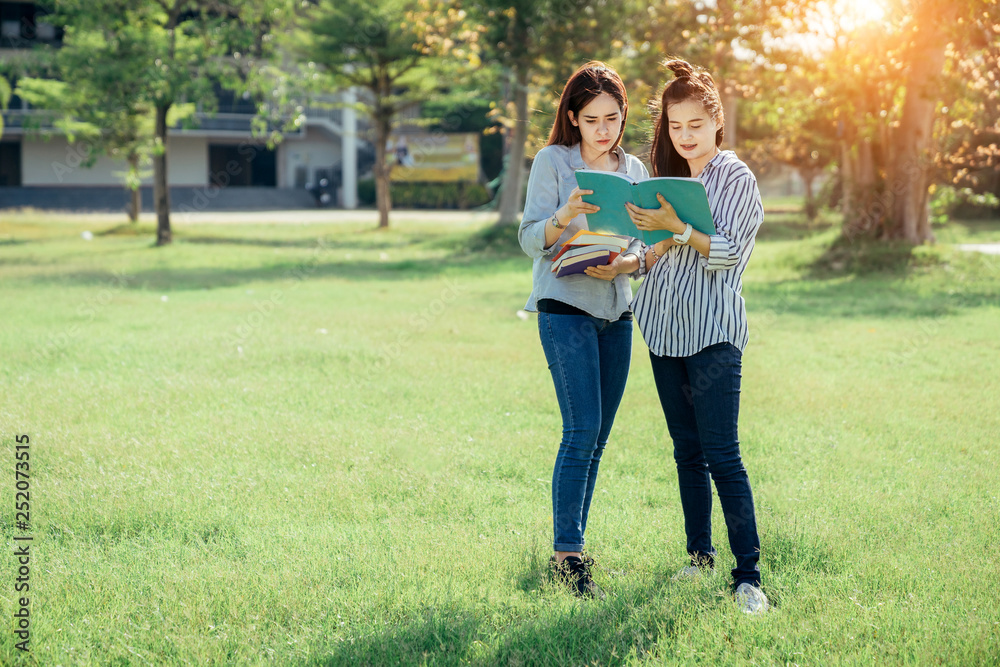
(611, 191)
(686, 195)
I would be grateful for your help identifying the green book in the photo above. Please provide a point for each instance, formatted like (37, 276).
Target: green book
(612, 190)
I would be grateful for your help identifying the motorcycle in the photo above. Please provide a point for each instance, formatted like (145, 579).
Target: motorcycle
(321, 192)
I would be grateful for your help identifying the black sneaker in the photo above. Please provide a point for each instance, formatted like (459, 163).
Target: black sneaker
(575, 573)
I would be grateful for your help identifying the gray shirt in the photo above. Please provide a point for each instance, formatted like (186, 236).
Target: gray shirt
(550, 183)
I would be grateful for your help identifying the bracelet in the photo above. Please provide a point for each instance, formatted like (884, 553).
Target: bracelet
(652, 249)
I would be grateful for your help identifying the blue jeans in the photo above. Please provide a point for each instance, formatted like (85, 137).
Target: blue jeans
(589, 360)
(700, 396)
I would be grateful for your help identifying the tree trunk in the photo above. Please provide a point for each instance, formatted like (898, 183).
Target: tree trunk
(161, 195)
(730, 109)
(808, 175)
(867, 209)
(513, 182)
(846, 179)
(913, 140)
(136, 204)
(383, 197)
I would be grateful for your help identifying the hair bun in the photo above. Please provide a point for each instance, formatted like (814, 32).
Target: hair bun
(679, 68)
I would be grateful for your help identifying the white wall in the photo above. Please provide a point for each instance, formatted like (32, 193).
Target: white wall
(56, 162)
(315, 149)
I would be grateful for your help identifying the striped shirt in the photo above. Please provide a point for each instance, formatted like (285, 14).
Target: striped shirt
(687, 301)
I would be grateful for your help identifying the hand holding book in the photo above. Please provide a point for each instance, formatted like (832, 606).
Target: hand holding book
(575, 206)
(656, 219)
(612, 191)
(587, 249)
(609, 271)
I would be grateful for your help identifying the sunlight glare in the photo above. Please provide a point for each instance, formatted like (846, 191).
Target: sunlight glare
(848, 15)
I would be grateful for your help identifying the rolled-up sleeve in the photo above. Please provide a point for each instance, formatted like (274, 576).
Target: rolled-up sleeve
(637, 248)
(737, 218)
(540, 204)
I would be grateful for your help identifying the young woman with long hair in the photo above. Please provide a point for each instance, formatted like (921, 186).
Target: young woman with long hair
(692, 317)
(584, 320)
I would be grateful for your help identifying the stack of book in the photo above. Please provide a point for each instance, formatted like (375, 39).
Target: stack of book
(585, 249)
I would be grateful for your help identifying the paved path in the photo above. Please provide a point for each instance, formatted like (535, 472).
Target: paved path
(988, 248)
(290, 217)
(322, 216)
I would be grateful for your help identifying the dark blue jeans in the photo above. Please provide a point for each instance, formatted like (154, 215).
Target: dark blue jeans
(589, 360)
(700, 396)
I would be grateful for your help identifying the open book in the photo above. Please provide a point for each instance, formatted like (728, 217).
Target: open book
(612, 190)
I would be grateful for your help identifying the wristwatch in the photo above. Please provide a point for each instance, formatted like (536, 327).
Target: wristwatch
(681, 239)
(555, 222)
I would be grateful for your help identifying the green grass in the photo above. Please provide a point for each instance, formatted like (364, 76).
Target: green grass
(325, 445)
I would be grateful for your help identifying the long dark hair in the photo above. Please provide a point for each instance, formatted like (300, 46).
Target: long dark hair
(587, 83)
(688, 84)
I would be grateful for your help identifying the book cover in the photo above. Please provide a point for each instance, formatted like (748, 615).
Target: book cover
(578, 263)
(572, 250)
(612, 190)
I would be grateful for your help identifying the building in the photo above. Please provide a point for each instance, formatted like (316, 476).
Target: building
(218, 163)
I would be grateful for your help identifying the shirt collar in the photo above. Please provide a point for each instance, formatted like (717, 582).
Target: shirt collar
(576, 158)
(716, 161)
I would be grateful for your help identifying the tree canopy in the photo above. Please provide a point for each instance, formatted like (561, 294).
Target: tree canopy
(894, 101)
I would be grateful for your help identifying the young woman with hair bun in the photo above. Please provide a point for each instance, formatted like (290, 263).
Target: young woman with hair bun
(691, 314)
(584, 320)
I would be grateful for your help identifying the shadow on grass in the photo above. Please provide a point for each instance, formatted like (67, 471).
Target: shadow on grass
(861, 279)
(792, 227)
(209, 277)
(623, 628)
(869, 278)
(447, 636)
(486, 252)
(861, 298)
(129, 229)
(348, 239)
(640, 620)
(867, 256)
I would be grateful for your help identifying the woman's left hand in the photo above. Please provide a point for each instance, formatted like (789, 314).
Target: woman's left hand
(652, 219)
(608, 271)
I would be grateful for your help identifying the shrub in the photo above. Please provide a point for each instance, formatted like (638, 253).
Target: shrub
(948, 201)
(427, 195)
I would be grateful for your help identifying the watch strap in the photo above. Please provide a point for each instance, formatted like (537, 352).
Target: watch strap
(683, 238)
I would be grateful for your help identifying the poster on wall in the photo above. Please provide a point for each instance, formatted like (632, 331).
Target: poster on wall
(433, 157)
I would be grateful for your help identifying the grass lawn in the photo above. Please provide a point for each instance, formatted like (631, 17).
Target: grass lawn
(322, 444)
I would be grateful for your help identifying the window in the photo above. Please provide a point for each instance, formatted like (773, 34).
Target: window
(23, 24)
(242, 165)
(10, 164)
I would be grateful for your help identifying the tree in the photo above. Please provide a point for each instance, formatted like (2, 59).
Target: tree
(926, 38)
(382, 48)
(97, 106)
(538, 45)
(181, 47)
(893, 96)
(969, 123)
(4, 99)
(735, 41)
(789, 120)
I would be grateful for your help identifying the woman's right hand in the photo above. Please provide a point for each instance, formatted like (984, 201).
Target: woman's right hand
(575, 206)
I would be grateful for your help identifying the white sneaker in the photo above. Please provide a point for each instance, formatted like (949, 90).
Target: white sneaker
(692, 573)
(751, 599)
